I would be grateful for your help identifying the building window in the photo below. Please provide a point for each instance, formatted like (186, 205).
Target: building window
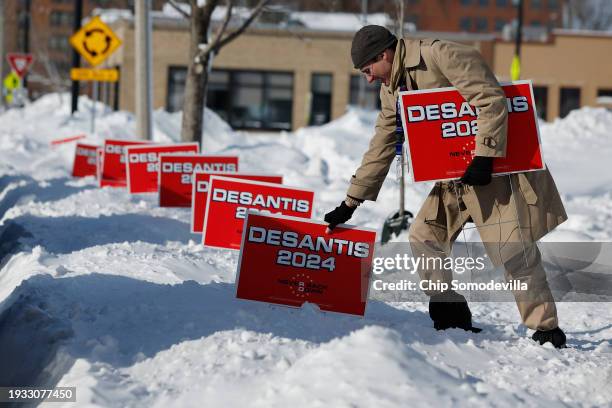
(535, 23)
(604, 92)
(540, 94)
(465, 24)
(483, 3)
(466, 2)
(60, 18)
(536, 4)
(499, 24)
(59, 43)
(244, 99)
(553, 4)
(371, 94)
(570, 100)
(320, 103)
(176, 88)
(482, 24)
(502, 3)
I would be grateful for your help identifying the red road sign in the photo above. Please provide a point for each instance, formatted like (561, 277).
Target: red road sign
(440, 129)
(200, 193)
(113, 172)
(20, 62)
(229, 199)
(289, 261)
(176, 175)
(143, 164)
(85, 160)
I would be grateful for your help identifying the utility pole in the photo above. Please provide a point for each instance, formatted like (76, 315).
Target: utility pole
(144, 82)
(76, 59)
(402, 209)
(515, 69)
(26, 36)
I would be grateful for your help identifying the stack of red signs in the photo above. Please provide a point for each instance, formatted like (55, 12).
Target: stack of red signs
(440, 128)
(229, 199)
(176, 175)
(289, 261)
(114, 173)
(143, 164)
(199, 194)
(85, 160)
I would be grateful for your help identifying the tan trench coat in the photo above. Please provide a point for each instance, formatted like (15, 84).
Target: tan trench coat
(436, 64)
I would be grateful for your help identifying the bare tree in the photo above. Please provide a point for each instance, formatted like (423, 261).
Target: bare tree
(588, 14)
(203, 47)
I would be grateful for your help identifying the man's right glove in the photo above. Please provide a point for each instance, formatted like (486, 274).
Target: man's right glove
(478, 172)
(339, 215)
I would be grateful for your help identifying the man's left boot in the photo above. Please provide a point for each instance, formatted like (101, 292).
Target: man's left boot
(555, 336)
(450, 310)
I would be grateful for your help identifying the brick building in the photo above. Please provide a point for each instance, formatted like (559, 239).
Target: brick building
(50, 25)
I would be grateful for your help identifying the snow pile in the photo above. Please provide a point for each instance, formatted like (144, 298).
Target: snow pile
(110, 293)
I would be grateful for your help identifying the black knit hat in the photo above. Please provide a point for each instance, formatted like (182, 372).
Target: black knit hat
(368, 42)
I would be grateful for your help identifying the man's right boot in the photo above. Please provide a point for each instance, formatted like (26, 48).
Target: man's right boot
(555, 336)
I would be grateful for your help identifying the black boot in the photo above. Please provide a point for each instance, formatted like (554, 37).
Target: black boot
(554, 336)
(450, 310)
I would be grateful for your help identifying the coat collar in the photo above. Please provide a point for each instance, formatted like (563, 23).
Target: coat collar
(407, 55)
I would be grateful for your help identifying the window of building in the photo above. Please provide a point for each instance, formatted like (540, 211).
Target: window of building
(59, 43)
(570, 100)
(553, 4)
(176, 88)
(502, 3)
(482, 24)
(499, 24)
(465, 24)
(540, 93)
(320, 103)
(535, 23)
(371, 94)
(466, 2)
(483, 3)
(244, 99)
(604, 92)
(60, 18)
(536, 4)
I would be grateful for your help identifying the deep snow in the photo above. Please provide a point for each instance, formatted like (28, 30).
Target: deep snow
(112, 294)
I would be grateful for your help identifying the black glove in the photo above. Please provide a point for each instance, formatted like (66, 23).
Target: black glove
(478, 172)
(339, 215)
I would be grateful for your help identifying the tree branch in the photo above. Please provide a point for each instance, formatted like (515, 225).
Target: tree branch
(214, 42)
(175, 5)
(231, 36)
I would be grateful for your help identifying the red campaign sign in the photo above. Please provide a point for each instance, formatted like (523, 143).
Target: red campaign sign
(229, 199)
(176, 175)
(85, 160)
(199, 193)
(113, 172)
(440, 128)
(289, 261)
(20, 62)
(143, 164)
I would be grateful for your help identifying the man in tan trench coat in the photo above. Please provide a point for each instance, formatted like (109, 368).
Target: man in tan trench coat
(510, 212)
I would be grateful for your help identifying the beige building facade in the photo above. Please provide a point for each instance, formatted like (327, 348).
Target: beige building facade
(292, 74)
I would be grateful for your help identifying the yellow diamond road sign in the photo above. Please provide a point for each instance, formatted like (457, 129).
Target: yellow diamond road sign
(95, 41)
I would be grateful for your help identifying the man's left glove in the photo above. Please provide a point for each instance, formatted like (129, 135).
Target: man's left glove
(478, 172)
(339, 215)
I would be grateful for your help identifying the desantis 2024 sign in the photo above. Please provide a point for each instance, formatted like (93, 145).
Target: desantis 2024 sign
(440, 128)
(290, 260)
